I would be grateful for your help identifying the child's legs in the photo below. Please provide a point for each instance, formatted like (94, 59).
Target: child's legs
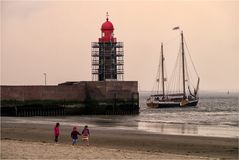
(85, 139)
(74, 141)
(56, 138)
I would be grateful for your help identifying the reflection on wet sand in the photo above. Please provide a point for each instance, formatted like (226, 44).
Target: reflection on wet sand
(167, 128)
(129, 123)
(188, 129)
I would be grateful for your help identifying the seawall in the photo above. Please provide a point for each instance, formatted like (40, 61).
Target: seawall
(71, 98)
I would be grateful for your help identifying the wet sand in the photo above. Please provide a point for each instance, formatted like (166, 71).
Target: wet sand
(114, 143)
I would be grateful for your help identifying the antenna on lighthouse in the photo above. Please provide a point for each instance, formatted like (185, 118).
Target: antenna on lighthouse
(107, 16)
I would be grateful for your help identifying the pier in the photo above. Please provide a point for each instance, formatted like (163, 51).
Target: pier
(71, 98)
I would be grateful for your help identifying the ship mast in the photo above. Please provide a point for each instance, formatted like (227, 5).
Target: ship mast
(183, 68)
(162, 59)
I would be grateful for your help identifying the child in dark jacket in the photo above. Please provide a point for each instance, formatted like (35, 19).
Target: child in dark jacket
(74, 135)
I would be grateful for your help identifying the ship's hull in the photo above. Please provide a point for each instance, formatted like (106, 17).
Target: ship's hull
(171, 104)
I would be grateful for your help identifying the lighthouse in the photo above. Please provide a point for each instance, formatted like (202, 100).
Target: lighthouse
(107, 55)
(106, 94)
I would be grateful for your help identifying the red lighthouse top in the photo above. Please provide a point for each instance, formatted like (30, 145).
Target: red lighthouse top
(107, 30)
(107, 25)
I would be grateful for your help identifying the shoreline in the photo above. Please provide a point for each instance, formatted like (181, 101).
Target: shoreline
(130, 140)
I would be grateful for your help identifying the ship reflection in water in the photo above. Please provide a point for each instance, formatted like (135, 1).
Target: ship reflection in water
(188, 129)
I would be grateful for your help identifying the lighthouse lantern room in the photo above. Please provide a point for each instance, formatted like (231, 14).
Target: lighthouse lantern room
(107, 55)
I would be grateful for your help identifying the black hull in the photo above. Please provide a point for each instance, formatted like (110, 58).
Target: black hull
(169, 104)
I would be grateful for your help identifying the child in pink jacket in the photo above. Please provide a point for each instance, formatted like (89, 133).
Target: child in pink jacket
(86, 135)
(57, 131)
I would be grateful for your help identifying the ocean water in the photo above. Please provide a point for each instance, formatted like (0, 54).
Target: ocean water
(215, 115)
(212, 109)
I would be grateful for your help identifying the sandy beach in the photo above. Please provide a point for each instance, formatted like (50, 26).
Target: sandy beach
(13, 149)
(36, 141)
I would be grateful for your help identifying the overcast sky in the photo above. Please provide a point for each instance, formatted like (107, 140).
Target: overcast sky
(54, 37)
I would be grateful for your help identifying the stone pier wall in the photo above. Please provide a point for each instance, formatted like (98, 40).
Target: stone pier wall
(71, 98)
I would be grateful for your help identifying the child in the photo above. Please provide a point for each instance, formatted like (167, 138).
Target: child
(57, 131)
(86, 135)
(74, 135)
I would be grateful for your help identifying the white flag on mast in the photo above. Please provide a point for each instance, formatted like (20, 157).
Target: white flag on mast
(175, 28)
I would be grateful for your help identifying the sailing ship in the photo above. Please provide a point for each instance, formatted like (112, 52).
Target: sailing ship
(184, 95)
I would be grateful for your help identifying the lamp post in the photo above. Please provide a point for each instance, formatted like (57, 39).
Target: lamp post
(45, 78)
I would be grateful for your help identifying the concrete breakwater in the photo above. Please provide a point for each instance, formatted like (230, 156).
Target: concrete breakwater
(71, 98)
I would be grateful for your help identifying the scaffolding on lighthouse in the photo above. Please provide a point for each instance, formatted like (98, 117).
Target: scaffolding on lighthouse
(107, 56)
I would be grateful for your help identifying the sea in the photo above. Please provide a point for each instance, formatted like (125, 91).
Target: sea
(216, 115)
